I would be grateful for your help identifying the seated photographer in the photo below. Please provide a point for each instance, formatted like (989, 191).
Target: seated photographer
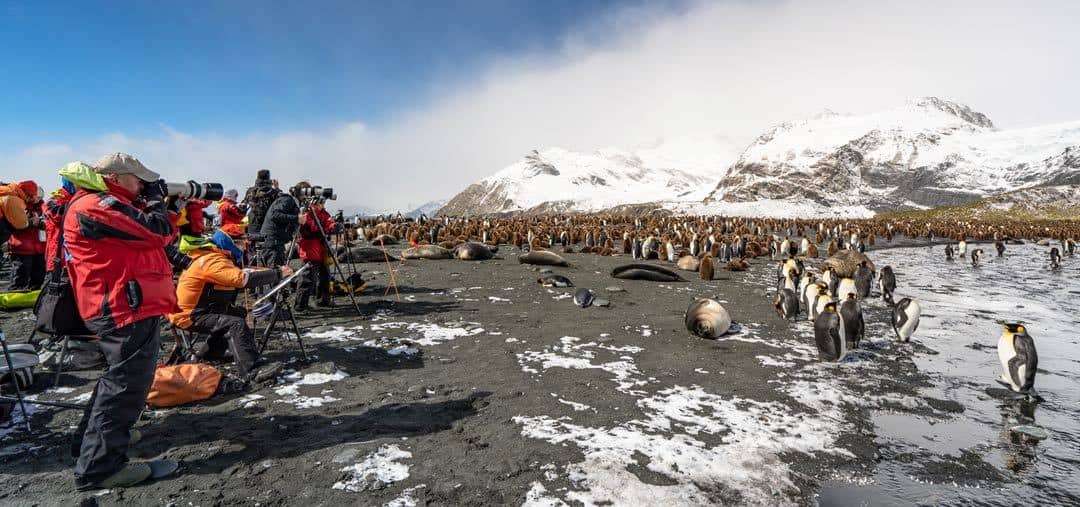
(314, 251)
(206, 294)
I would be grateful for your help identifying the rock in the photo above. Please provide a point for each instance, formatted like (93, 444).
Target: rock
(615, 289)
(601, 302)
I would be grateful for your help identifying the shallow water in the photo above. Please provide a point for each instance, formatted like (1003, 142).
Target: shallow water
(961, 305)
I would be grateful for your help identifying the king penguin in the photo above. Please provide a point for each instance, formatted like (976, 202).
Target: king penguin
(787, 304)
(1055, 258)
(828, 334)
(905, 318)
(887, 282)
(1019, 361)
(854, 328)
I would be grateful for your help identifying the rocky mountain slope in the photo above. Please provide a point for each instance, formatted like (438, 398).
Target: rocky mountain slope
(555, 180)
(1058, 202)
(929, 152)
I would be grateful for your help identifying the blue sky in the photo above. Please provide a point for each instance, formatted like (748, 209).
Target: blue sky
(402, 102)
(80, 68)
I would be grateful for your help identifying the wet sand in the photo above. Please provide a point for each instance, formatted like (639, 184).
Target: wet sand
(482, 387)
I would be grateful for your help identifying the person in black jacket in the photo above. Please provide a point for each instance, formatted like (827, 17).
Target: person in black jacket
(279, 226)
(259, 198)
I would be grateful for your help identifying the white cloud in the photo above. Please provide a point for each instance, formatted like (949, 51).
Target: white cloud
(732, 68)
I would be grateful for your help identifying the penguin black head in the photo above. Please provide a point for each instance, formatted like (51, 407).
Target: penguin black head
(851, 296)
(830, 306)
(1014, 327)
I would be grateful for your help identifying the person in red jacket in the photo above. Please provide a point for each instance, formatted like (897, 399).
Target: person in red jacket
(123, 286)
(230, 212)
(313, 251)
(53, 210)
(27, 252)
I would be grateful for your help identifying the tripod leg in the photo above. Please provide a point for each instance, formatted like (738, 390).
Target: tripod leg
(269, 328)
(299, 340)
(15, 382)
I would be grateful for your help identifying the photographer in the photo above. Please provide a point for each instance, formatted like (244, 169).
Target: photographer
(27, 251)
(230, 212)
(280, 224)
(206, 294)
(259, 198)
(15, 198)
(123, 285)
(314, 251)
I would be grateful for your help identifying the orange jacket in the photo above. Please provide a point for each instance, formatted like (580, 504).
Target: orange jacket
(13, 206)
(209, 285)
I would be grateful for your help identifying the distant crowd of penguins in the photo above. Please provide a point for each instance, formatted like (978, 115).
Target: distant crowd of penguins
(831, 299)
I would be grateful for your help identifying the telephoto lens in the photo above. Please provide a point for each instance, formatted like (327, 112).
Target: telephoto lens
(191, 189)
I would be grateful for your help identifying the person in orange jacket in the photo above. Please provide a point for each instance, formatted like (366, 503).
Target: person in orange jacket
(206, 294)
(15, 198)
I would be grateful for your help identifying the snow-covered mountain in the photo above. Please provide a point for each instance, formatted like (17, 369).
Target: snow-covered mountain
(558, 180)
(429, 209)
(929, 152)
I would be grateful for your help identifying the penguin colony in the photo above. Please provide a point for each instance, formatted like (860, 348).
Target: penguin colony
(831, 298)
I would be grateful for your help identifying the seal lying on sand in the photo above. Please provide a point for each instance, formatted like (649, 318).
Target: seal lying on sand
(384, 239)
(707, 319)
(426, 252)
(364, 254)
(649, 272)
(543, 258)
(470, 251)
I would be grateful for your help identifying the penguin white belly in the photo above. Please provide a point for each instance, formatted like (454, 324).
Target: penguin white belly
(809, 298)
(913, 312)
(1007, 351)
(847, 286)
(819, 304)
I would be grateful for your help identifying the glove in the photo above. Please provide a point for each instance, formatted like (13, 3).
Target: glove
(156, 191)
(243, 207)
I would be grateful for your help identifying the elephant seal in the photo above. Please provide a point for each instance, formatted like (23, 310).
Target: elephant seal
(365, 254)
(707, 319)
(688, 263)
(583, 298)
(542, 258)
(426, 252)
(472, 252)
(384, 239)
(649, 272)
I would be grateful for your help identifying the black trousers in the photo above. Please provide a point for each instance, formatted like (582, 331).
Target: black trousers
(27, 271)
(101, 442)
(229, 329)
(316, 280)
(272, 256)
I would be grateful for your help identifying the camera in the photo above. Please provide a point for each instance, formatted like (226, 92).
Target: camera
(315, 192)
(191, 189)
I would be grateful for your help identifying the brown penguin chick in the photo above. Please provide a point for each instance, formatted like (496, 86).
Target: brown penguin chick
(871, 240)
(706, 268)
(812, 251)
(738, 265)
(715, 250)
(447, 244)
(627, 244)
(662, 254)
(753, 249)
(567, 249)
(607, 251)
(833, 248)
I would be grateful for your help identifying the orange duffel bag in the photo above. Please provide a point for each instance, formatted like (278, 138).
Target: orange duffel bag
(183, 383)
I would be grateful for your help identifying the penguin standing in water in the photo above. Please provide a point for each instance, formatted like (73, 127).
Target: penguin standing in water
(961, 249)
(887, 282)
(864, 277)
(1070, 246)
(1055, 258)
(1019, 361)
(854, 328)
(976, 254)
(787, 304)
(828, 334)
(1000, 247)
(905, 318)
(948, 252)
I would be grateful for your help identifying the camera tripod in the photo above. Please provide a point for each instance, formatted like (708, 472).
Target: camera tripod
(19, 398)
(281, 308)
(333, 254)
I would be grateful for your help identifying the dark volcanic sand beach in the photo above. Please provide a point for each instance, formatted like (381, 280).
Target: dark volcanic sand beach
(482, 387)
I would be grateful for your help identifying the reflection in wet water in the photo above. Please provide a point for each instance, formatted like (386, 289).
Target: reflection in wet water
(961, 305)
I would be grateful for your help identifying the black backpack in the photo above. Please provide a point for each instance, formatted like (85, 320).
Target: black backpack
(260, 198)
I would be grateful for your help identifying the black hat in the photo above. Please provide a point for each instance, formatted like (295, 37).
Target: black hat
(263, 174)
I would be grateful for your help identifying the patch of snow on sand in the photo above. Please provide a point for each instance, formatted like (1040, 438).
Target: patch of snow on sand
(291, 393)
(248, 401)
(406, 499)
(426, 334)
(571, 354)
(378, 470)
(336, 334)
(537, 497)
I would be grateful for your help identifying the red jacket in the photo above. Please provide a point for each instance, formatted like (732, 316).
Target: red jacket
(230, 212)
(311, 243)
(118, 266)
(26, 241)
(53, 209)
(195, 224)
